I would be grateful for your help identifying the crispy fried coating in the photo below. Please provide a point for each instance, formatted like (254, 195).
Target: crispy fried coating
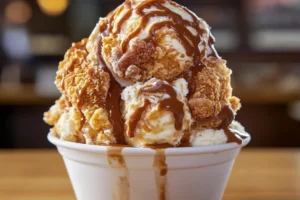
(235, 103)
(82, 82)
(210, 92)
(53, 114)
(129, 65)
(79, 115)
(66, 121)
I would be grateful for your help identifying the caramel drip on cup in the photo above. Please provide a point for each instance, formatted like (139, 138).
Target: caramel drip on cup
(121, 188)
(161, 170)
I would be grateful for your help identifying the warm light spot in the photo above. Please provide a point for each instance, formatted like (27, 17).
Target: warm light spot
(18, 12)
(53, 7)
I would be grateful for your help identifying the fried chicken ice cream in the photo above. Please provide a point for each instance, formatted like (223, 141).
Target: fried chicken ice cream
(148, 75)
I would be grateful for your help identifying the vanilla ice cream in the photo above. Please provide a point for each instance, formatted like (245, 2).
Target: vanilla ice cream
(146, 123)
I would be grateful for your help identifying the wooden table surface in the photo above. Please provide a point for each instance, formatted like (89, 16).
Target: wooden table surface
(258, 174)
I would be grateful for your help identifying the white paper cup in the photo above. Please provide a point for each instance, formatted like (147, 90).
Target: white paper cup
(115, 173)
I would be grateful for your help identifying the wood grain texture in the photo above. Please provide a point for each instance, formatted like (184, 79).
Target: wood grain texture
(258, 174)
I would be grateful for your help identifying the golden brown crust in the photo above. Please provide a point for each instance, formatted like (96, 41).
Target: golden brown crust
(235, 103)
(82, 82)
(201, 108)
(210, 91)
(97, 118)
(52, 116)
(128, 65)
(169, 62)
(80, 111)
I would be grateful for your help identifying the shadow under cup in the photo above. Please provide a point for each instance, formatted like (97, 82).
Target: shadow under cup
(125, 173)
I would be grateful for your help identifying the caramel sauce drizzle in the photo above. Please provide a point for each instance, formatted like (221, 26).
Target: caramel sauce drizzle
(135, 118)
(176, 22)
(112, 103)
(227, 116)
(171, 104)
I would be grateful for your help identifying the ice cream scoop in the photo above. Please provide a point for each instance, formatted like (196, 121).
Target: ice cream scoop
(154, 38)
(156, 113)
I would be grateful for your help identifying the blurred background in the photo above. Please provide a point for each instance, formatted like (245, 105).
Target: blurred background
(260, 39)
